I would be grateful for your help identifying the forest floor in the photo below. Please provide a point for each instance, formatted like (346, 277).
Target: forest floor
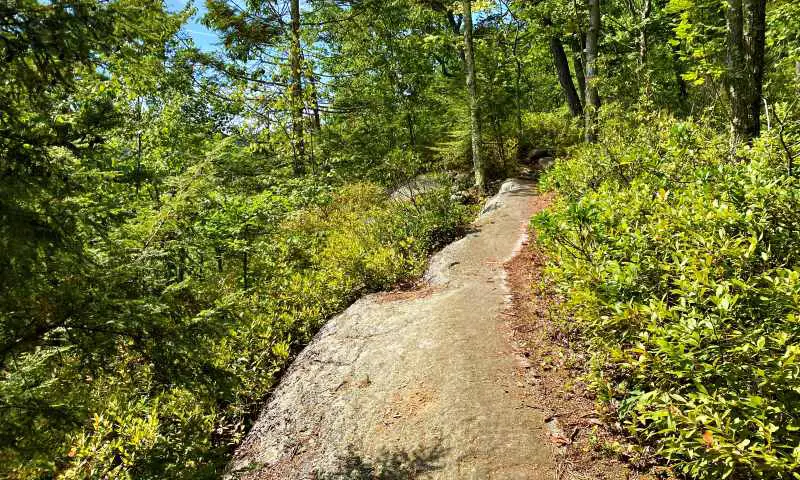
(451, 380)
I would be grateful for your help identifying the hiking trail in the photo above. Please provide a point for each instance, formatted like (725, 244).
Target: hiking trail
(415, 384)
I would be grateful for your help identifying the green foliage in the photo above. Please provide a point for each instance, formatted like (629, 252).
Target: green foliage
(700, 28)
(162, 260)
(680, 269)
(555, 130)
(173, 396)
(160, 265)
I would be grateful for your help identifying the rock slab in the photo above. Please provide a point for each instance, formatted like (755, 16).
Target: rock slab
(414, 384)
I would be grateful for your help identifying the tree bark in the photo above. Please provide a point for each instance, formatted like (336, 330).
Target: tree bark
(683, 89)
(138, 145)
(245, 279)
(518, 99)
(474, 108)
(564, 76)
(298, 143)
(757, 35)
(517, 87)
(315, 101)
(647, 7)
(736, 76)
(592, 96)
(308, 73)
(412, 138)
(579, 53)
(578, 66)
(455, 25)
(745, 66)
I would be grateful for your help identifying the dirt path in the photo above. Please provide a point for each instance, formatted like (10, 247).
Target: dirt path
(422, 384)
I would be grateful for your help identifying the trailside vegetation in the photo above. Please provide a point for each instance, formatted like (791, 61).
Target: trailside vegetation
(678, 266)
(167, 245)
(673, 242)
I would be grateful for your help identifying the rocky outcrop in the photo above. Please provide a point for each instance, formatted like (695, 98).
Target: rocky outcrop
(417, 384)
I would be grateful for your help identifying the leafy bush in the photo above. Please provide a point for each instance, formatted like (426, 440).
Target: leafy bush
(555, 130)
(176, 397)
(680, 266)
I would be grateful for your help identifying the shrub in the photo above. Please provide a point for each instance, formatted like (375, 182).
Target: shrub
(555, 130)
(680, 266)
(174, 403)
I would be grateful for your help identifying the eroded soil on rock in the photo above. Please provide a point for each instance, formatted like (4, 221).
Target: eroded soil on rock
(422, 384)
(588, 446)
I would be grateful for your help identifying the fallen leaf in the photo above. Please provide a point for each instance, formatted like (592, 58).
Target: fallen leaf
(708, 438)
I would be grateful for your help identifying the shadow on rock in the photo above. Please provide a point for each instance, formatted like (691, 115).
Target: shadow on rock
(386, 466)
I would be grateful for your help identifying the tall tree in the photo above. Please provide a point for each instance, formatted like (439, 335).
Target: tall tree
(564, 76)
(562, 69)
(745, 28)
(474, 107)
(647, 8)
(298, 142)
(592, 96)
(578, 65)
(757, 40)
(737, 78)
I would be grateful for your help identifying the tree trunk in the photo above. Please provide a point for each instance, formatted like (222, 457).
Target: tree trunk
(683, 89)
(474, 108)
(736, 75)
(745, 65)
(579, 49)
(578, 66)
(518, 99)
(317, 119)
(564, 76)
(647, 7)
(138, 145)
(455, 25)
(517, 90)
(757, 35)
(412, 138)
(313, 94)
(138, 161)
(592, 97)
(298, 143)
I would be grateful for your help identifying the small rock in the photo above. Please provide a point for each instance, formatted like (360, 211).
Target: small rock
(545, 163)
(363, 381)
(461, 196)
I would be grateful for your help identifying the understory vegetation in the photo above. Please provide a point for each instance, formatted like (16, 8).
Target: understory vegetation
(173, 390)
(678, 263)
(170, 240)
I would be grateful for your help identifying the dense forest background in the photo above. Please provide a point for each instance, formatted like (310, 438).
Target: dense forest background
(177, 222)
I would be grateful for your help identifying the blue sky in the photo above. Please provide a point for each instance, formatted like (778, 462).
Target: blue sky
(203, 37)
